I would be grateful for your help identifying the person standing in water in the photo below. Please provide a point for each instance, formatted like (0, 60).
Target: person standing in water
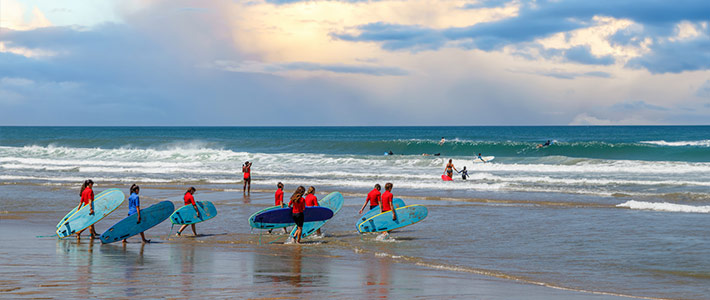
(87, 198)
(279, 199)
(387, 205)
(246, 169)
(134, 207)
(464, 173)
(189, 200)
(449, 170)
(373, 197)
(312, 200)
(298, 206)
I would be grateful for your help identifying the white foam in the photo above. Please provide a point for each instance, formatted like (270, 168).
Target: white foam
(665, 206)
(701, 143)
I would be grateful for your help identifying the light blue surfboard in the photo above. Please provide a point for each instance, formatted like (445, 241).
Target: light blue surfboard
(187, 214)
(334, 201)
(406, 216)
(267, 225)
(128, 227)
(67, 216)
(105, 203)
(396, 202)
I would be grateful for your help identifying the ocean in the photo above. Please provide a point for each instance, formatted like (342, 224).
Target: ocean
(612, 210)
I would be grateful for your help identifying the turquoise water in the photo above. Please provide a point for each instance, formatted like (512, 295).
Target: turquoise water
(622, 210)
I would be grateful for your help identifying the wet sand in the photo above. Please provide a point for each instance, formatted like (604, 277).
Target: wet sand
(227, 260)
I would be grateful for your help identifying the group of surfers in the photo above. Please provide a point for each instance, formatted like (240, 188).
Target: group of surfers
(300, 199)
(134, 206)
(298, 204)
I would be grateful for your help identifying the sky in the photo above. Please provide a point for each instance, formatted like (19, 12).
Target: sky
(354, 62)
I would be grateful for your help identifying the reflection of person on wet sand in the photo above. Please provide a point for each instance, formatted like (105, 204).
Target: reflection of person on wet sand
(189, 200)
(380, 280)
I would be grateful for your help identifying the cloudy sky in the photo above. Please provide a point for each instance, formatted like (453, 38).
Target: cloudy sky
(403, 62)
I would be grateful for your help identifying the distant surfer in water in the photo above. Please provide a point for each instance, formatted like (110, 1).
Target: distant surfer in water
(279, 199)
(134, 207)
(87, 198)
(545, 144)
(246, 169)
(189, 200)
(312, 200)
(427, 154)
(373, 197)
(387, 205)
(449, 170)
(443, 140)
(464, 173)
(298, 206)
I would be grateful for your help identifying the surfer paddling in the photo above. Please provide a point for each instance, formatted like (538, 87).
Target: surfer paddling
(298, 206)
(87, 198)
(373, 197)
(134, 207)
(190, 200)
(279, 199)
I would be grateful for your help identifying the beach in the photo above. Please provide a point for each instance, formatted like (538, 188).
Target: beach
(601, 224)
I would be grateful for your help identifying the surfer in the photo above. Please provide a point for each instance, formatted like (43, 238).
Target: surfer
(373, 197)
(190, 200)
(390, 153)
(298, 206)
(387, 205)
(134, 207)
(449, 170)
(481, 158)
(87, 198)
(443, 140)
(464, 173)
(246, 169)
(279, 199)
(545, 144)
(312, 200)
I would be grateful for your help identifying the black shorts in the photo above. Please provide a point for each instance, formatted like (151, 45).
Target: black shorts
(373, 206)
(298, 219)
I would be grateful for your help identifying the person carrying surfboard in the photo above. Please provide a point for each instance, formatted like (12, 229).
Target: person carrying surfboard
(189, 200)
(373, 197)
(387, 205)
(312, 200)
(449, 170)
(279, 200)
(298, 206)
(134, 207)
(246, 169)
(87, 198)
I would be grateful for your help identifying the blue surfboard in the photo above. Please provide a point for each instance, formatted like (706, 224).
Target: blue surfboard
(69, 215)
(187, 215)
(267, 225)
(128, 227)
(396, 202)
(406, 216)
(284, 215)
(105, 203)
(334, 201)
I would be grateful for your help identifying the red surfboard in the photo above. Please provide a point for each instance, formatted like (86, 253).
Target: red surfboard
(446, 178)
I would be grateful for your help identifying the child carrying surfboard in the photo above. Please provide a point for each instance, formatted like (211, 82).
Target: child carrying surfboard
(298, 206)
(386, 205)
(87, 198)
(190, 200)
(134, 207)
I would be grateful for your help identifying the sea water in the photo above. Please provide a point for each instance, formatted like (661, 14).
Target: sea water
(614, 209)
